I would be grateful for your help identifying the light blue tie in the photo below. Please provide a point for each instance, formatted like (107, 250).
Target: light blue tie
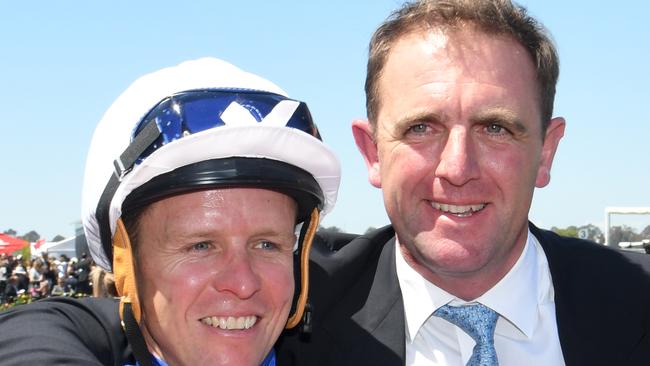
(479, 322)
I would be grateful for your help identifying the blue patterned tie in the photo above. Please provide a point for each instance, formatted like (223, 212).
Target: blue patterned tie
(479, 322)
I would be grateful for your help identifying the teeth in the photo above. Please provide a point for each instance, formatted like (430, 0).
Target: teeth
(230, 322)
(458, 210)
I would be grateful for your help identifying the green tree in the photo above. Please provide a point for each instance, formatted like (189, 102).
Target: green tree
(26, 252)
(331, 229)
(10, 232)
(645, 233)
(618, 234)
(571, 231)
(31, 236)
(588, 232)
(592, 232)
(58, 238)
(370, 229)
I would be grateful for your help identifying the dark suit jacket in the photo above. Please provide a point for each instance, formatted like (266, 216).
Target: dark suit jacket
(602, 299)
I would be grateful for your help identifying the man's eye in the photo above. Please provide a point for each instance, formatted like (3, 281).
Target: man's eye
(204, 245)
(266, 245)
(494, 128)
(419, 128)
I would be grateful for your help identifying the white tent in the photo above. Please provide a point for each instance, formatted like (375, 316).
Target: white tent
(56, 248)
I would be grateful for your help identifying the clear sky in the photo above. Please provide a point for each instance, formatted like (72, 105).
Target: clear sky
(63, 63)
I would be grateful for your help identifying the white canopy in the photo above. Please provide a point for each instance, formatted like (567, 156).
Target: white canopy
(56, 248)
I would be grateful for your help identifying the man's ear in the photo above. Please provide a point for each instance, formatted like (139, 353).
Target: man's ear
(363, 137)
(554, 134)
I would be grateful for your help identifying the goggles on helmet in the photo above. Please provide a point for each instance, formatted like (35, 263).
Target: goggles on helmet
(191, 112)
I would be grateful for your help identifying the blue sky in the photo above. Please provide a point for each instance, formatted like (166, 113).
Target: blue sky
(64, 62)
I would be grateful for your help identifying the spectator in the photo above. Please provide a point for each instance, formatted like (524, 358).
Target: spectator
(59, 288)
(3, 275)
(11, 290)
(49, 275)
(70, 283)
(82, 269)
(21, 274)
(43, 290)
(103, 283)
(35, 274)
(62, 266)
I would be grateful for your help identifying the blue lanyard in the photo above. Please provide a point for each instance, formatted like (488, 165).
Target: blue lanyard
(156, 362)
(268, 361)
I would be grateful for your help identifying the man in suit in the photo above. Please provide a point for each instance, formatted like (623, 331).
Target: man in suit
(459, 133)
(82, 271)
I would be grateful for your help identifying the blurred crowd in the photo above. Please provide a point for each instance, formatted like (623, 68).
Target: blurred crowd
(44, 276)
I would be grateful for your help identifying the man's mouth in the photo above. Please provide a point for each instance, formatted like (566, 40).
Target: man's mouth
(230, 322)
(458, 210)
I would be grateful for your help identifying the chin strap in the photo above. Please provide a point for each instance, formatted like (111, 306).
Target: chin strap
(135, 338)
(130, 312)
(304, 271)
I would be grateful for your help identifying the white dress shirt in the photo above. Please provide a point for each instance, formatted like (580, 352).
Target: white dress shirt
(526, 331)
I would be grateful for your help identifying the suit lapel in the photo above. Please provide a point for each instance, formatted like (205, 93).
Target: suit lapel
(370, 318)
(383, 313)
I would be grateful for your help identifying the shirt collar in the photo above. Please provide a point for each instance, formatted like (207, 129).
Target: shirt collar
(417, 306)
(525, 284)
(528, 282)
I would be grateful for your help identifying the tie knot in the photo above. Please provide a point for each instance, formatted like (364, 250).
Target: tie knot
(477, 320)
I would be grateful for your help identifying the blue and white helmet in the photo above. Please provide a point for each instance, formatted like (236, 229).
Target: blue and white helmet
(170, 127)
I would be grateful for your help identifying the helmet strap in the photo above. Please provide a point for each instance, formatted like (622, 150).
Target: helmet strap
(130, 312)
(124, 271)
(135, 338)
(304, 270)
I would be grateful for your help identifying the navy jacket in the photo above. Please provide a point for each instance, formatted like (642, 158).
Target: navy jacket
(602, 299)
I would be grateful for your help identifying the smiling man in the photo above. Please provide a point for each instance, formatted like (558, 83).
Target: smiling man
(457, 148)
(203, 189)
(215, 274)
(459, 134)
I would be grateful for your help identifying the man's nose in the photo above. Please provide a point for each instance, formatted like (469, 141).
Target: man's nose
(238, 276)
(458, 161)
